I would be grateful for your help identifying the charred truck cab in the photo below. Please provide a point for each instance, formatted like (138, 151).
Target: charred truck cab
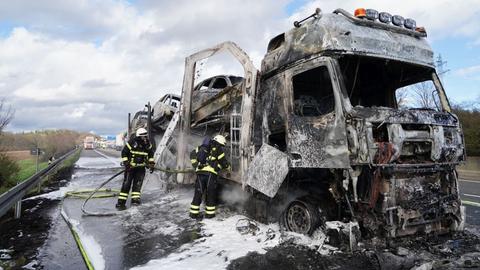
(332, 128)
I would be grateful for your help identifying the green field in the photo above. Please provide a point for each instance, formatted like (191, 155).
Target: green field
(28, 168)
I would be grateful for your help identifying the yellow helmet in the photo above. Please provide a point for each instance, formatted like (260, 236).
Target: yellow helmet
(220, 139)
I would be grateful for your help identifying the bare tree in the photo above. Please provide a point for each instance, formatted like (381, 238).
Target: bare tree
(402, 97)
(422, 94)
(419, 95)
(424, 97)
(6, 114)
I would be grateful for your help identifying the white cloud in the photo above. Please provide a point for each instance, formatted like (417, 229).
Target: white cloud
(68, 55)
(71, 19)
(86, 64)
(469, 72)
(441, 18)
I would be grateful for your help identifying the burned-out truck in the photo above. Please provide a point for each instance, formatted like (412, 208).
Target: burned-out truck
(324, 131)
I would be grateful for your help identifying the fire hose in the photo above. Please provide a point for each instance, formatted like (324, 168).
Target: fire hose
(98, 193)
(76, 237)
(89, 213)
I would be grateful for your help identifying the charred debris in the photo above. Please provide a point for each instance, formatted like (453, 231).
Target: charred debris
(324, 130)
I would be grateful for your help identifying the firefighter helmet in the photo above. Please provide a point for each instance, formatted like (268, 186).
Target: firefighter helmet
(220, 139)
(141, 132)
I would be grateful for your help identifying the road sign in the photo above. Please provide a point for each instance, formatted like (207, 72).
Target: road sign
(33, 151)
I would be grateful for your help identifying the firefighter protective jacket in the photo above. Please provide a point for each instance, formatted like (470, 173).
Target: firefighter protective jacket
(213, 162)
(137, 153)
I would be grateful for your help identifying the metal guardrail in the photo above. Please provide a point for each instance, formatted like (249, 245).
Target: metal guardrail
(15, 194)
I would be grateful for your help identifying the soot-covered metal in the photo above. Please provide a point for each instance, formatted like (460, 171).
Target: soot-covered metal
(326, 105)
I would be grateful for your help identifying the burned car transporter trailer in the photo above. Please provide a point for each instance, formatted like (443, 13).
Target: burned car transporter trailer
(318, 134)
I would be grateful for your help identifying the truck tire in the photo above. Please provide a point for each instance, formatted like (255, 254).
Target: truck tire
(302, 217)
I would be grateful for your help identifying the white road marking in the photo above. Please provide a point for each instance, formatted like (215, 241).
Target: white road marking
(114, 161)
(471, 195)
(470, 181)
(471, 203)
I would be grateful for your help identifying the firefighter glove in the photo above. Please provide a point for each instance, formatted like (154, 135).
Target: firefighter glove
(151, 166)
(127, 166)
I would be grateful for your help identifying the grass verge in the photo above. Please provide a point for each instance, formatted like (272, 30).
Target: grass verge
(62, 171)
(28, 168)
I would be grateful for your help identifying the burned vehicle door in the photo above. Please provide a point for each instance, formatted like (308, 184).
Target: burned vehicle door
(316, 125)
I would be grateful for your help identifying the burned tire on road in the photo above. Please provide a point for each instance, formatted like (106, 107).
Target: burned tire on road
(302, 217)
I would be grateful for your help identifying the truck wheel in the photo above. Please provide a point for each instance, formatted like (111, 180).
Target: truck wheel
(302, 217)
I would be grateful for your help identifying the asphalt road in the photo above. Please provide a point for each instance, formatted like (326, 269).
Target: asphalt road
(150, 231)
(470, 194)
(469, 189)
(127, 238)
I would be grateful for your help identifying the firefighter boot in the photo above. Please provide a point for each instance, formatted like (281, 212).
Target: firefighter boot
(120, 205)
(209, 211)
(198, 216)
(209, 215)
(136, 201)
(195, 211)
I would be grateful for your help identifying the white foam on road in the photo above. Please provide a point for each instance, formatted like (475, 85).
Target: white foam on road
(90, 245)
(31, 265)
(221, 244)
(97, 163)
(82, 162)
(54, 195)
(62, 191)
(115, 161)
(93, 249)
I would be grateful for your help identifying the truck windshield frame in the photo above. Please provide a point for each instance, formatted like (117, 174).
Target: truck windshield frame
(374, 82)
(304, 68)
(313, 92)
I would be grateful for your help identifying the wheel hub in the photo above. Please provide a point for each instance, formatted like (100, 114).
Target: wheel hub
(298, 219)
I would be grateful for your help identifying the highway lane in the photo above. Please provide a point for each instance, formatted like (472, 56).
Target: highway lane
(133, 237)
(154, 230)
(470, 194)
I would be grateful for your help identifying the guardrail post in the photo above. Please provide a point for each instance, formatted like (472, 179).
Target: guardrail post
(36, 170)
(18, 209)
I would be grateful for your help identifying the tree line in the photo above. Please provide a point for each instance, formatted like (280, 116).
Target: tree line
(8, 167)
(470, 120)
(51, 142)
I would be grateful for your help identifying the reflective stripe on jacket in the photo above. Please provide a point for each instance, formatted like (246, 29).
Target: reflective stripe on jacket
(215, 162)
(137, 153)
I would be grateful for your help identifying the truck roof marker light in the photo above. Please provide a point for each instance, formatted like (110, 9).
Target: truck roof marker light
(360, 13)
(398, 20)
(371, 14)
(385, 17)
(410, 24)
(421, 29)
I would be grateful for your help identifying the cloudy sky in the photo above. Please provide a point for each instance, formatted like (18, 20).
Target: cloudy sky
(84, 64)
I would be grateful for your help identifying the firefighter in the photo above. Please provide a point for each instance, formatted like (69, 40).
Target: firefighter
(136, 155)
(208, 159)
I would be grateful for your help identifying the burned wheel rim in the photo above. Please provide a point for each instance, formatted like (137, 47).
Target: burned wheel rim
(299, 218)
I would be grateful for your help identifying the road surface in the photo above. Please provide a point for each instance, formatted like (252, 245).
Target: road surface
(470, 194)
(130, 238)
(159, 235)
